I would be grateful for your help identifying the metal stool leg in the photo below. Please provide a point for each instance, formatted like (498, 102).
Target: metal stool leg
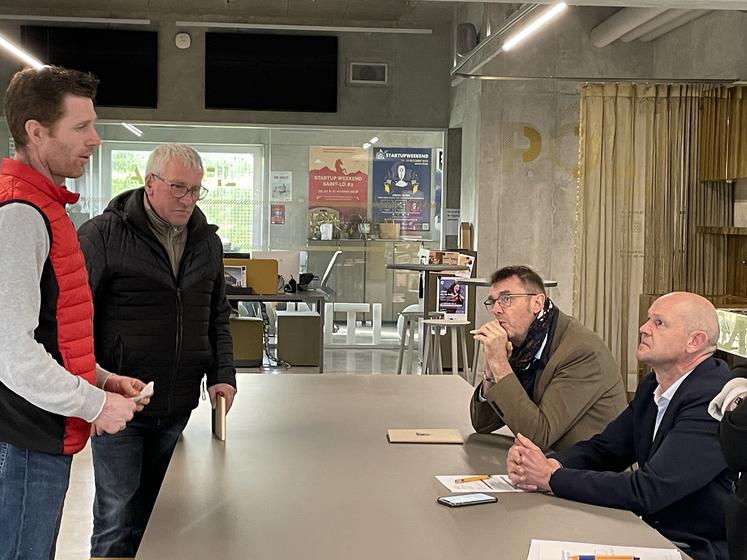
(426, 349)
(402, 349)
(454, 353)
(463, 333)
(412, 325)
(437, 356)
(475, 359)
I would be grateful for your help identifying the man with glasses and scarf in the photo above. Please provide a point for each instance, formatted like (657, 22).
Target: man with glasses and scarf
(155, 267)
(546, 376)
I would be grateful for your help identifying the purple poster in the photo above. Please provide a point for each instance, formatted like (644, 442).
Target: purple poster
(402, 188)
(452, 298)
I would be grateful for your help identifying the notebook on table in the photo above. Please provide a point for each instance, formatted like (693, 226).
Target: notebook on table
(424, 435)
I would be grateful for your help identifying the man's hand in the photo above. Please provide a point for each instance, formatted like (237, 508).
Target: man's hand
(488, 380)
(527, 466)
(127, 387)
(228, 391)
(117, 411)
(498, 349)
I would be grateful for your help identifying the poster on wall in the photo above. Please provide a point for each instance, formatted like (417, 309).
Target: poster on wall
(452, 298)
(338, 189)
(402, 189)
(281, 186)
(277, 214)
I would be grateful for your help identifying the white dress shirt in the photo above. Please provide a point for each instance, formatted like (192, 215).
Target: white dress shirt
(662, 400)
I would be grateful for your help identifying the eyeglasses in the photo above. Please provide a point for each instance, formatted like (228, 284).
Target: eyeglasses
(179, 190)
(504, 300)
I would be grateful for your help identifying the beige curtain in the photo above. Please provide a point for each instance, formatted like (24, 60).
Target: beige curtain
(639, 202)
(723, 133)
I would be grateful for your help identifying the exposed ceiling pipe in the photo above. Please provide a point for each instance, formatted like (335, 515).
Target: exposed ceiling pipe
(621, 23)
(691, 15)
(652, 24)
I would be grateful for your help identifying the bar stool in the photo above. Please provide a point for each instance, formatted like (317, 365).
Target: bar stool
(475, 358)
(432, 329)
(410, 326)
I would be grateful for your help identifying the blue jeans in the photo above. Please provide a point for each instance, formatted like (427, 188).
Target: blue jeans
(129, 467)
(32, 492)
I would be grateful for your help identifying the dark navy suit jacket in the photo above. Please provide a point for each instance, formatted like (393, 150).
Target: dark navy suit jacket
(682, 482)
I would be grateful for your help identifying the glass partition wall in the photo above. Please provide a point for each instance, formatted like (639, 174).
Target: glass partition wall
(373, 194)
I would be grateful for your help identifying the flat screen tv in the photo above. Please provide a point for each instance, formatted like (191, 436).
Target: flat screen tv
(270, 72)
(125, 61)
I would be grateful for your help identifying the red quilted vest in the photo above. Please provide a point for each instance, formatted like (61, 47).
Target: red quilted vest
(73, 305)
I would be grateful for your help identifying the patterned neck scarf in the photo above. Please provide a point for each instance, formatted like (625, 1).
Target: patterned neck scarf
(522, 357)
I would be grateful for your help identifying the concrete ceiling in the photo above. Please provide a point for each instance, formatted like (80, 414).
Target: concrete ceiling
(402, 13)
(394, 12)
(685, 4)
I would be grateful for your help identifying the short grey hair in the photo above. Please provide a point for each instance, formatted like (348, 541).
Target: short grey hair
(163, 154)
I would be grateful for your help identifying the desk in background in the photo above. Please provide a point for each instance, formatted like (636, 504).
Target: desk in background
(307, 473)
(311, 297)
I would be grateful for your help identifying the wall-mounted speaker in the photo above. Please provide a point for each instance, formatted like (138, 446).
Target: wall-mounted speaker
(466, 38)
(368, 73)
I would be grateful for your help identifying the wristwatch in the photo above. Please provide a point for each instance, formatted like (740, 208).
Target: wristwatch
(736, 402)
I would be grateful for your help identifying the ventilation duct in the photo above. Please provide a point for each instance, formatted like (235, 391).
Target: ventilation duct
(620, 23)
(652, 24)
(679, 22)
(645, 24)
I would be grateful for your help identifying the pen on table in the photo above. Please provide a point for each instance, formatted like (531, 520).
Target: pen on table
(475, 478)
(603, 557)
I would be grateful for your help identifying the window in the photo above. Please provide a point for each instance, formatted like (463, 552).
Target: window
(232, 177)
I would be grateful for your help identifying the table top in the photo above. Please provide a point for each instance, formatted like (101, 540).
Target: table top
(486, 282)
(236, 294)
(307, 473)
(417, 267)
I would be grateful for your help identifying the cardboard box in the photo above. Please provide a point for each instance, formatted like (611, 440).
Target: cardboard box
(247, 341)
(298, 337)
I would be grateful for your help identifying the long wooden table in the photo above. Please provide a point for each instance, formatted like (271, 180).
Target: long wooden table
(307, 474)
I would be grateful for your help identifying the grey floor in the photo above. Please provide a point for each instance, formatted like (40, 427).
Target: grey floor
(73, 542)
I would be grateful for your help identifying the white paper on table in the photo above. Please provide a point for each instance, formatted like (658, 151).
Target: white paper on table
(496, 483)
(505, 431)
(562, 550)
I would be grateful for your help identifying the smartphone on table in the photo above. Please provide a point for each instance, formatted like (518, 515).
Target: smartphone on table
(459, 500)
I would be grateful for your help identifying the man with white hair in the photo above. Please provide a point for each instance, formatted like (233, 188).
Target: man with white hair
(156, 272)
(682, 482)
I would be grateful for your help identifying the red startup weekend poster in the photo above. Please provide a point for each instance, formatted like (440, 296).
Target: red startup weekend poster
(338, 187)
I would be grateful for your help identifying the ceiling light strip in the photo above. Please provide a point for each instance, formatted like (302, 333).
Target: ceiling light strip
(20, 53)
(524, 12)
(536, 25)
(132, 128)
(71, 19)
(317, 28)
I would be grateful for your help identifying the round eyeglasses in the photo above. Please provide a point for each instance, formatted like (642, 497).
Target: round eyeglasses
(179, 190)
(504, 300)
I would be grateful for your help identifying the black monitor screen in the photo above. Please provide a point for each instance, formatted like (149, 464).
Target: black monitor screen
(268, 72)
(124, 61)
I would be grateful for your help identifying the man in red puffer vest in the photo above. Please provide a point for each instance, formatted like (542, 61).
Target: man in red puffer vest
(51, 390)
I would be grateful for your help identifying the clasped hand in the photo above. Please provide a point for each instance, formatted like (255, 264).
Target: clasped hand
(527, 466)
(498, 348)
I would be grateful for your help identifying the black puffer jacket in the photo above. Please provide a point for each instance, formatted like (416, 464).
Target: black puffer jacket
(149, 324)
